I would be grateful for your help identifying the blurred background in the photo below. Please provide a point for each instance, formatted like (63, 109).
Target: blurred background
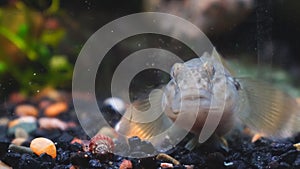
(40, 40)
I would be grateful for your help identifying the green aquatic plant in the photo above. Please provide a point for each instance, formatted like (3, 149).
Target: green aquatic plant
(29, 48)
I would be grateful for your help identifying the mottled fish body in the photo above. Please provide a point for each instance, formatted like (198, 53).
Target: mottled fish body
(203, 85)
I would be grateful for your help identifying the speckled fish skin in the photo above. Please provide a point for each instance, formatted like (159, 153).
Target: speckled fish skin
(190, 91)
(189, 94)
(257, 104)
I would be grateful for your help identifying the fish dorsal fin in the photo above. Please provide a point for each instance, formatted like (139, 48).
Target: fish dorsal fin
(267, 110)
(216, 56)
(219, 61)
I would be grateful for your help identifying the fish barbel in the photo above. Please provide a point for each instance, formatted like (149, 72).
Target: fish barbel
(204, 86)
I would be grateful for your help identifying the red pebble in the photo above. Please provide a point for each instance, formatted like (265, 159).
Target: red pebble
(126, 164)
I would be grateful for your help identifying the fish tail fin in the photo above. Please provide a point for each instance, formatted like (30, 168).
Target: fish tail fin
(267, 110)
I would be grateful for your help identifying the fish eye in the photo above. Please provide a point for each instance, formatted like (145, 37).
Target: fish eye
(236, 84)
(176, 68)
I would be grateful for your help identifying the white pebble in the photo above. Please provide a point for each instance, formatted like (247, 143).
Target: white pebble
(116, 103)
(166, 165)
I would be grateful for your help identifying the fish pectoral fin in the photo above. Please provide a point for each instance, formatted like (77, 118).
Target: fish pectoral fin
(145, 118)
(267, 110)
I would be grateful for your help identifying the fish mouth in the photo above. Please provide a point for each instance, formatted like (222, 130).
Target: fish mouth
(190, 95)
(191, 101)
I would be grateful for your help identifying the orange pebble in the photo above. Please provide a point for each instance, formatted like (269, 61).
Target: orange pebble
(256, 137)
(74, 167)
(42, 145)
(56, 109)
(126, 164)
(26, 110)
(76, 140)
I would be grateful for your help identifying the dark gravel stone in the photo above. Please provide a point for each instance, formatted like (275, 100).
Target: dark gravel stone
(62, 167)
(46, 161)
(284, 165)
(3, 132)
(104, 157)
(50, 134)
(75, 147)
(192, 158)
(148, 163)
(179, 167)
(63, 156)
(147, 147)
(3, 147)
(12, 159)
(95, 163)
(134, 142)
(238, 165)
(215, 160)
(64, 138)
(289, 157)
(28, 162)
(297, 161)
(243, 154)
(281, 147)
(80, 159)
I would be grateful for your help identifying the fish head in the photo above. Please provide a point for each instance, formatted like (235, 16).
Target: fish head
(194, 89)
(189, 90)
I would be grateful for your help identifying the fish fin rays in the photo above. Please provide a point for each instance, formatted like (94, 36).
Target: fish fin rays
(266, 109)
(145, 118)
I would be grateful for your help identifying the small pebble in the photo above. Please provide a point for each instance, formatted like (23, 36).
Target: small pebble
(26, 119)
(4, 144)
(56, 109)
(27, 123)
(297, 146)
(95, 163)
(20, 149)
(4, 121)
(21, 133)
(166, 157)
(4, 166)
(189, 166)
(50, 93)
(126, 164)
(52, 123)
(18, 141)
(76, 140)
(42, 145)
(74, 167)
(28, 162)
(26, 110)
(166, 165)
(256, 137)
(85, 145)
